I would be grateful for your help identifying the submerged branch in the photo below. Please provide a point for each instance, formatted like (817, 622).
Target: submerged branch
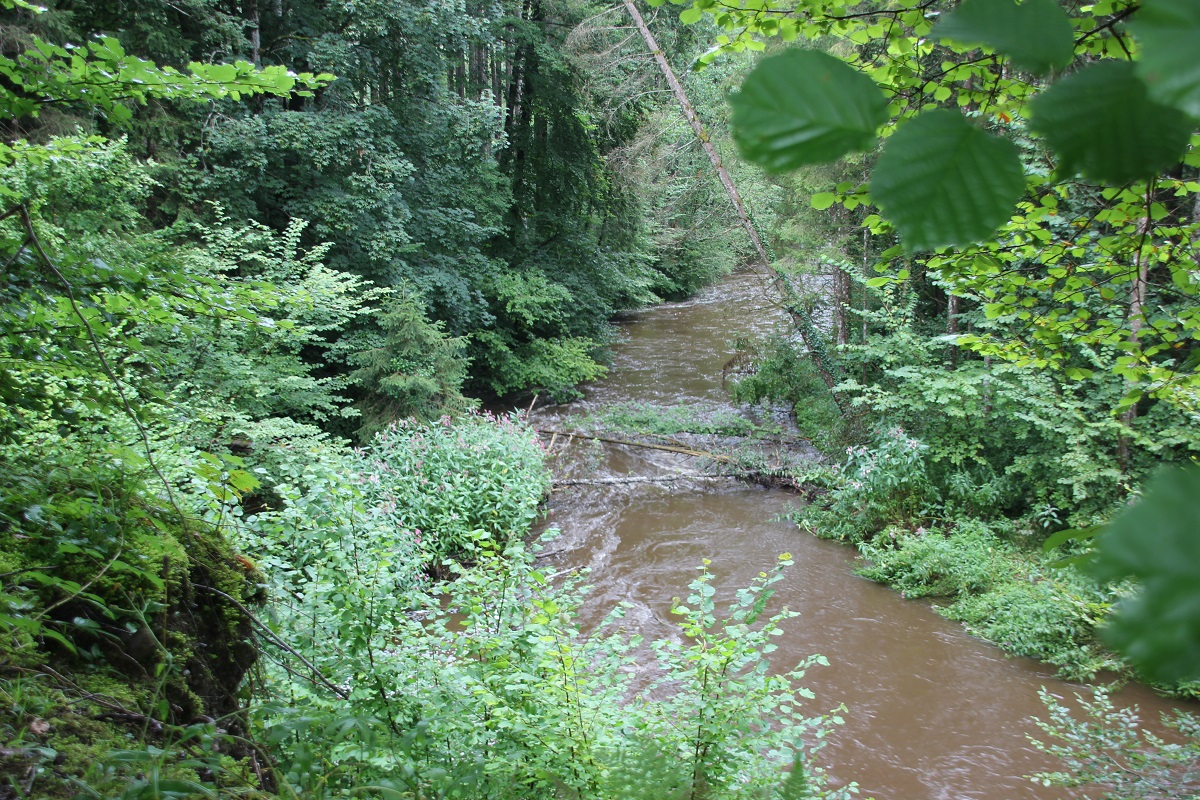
(687, 451)
(683, 476)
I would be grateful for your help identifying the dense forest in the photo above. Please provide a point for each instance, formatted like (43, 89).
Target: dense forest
(266, 260)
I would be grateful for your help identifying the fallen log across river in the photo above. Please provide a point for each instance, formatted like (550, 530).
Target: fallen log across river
(687, 451)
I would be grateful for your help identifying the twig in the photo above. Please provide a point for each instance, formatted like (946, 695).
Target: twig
(277, 641)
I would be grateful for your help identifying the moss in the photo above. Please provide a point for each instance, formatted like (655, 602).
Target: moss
(155, 614)
(58, 739)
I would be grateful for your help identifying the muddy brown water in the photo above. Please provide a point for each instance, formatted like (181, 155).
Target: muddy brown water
(931, 713)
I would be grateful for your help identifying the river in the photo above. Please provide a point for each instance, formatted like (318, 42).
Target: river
(931, 713)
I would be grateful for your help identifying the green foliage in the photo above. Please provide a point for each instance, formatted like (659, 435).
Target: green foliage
(1167, 30)
(1036, 614)
(782, 374)
(1153, 543)
(1109, 751)
(1101, 122)
(501, 696)
(942, 181)
(727, 710)
(551, 366)
(58, 744)
(924, 563)
(1036, 34)
(782, 123)
(102, 75)
(414, 371)
(144, 609)
(504, 698)
(1082, 125)
(1060, 259)
(877, 486)
(648, 418)
(464, 484)
(164, 356)
(285, 303)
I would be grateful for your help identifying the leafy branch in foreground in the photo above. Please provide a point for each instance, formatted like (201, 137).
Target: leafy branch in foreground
(1044, 153)
(1107, 120)
(1155, 544)
(1109, 749)
(102, 77)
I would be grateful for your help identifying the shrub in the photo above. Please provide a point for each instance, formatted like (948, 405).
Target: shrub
(457, 484)
(486, 688)
(1109, 750)
(925, 563)
(876, 487)
(1052, 619)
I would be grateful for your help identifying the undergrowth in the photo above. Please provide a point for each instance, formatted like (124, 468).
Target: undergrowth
(928, 538)
(658, 420)
(375, 677)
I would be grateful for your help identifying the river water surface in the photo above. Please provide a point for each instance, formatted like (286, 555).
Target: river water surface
(931, 713)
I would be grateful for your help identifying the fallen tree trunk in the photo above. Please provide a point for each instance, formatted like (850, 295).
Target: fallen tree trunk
(665, 447)
(793, 305)
(688, 476)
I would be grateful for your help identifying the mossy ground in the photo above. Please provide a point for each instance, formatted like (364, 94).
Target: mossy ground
(124, 640)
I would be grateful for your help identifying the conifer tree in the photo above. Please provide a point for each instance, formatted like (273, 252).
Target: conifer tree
(415, 369)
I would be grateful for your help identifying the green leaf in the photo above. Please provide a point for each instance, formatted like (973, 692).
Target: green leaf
(1036, 35)
(1169, 31)
(1156, 544)
(823, 200)
(690, 16)
(943, 181)
(805, 107)
(1069, 535)
(1102, 123)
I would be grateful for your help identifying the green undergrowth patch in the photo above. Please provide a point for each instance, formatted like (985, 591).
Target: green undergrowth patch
(484, 686)
(927, 537)
(94, 735)
(782, 373)
(1001, 593)
(423, 492)
(481, 684)
(408, 641)
(659, 420)
(124, 625)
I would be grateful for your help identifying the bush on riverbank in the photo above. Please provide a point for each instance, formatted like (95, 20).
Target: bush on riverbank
(971, 467)
(483, 686)
(1012, 598)
(926, 539)
(1106, 748)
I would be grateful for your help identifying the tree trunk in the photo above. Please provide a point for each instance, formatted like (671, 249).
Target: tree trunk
(479, 70)
(841, 298)
(1137, 305)
(1137, 317)
(866, 273)
(952, 328)
(255, 34)
(796, 310)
